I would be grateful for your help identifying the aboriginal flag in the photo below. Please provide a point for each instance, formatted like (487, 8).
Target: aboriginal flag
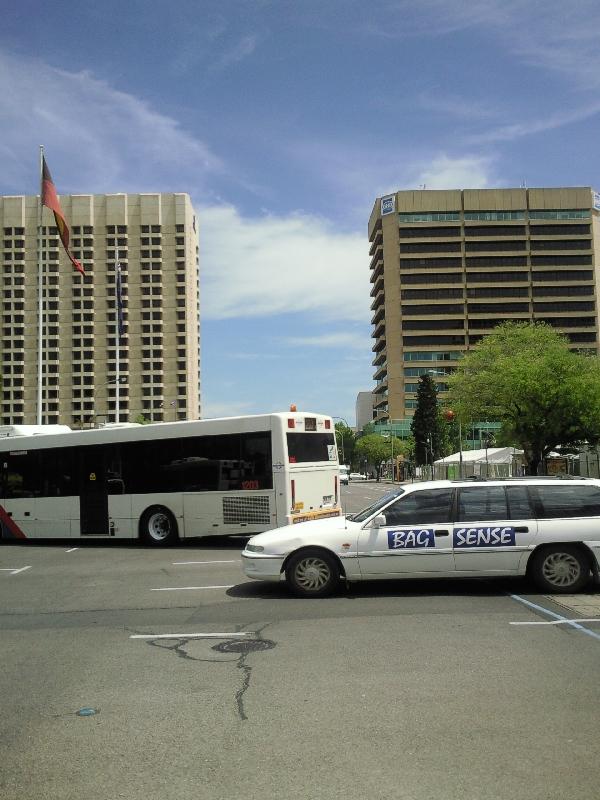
(50, 199)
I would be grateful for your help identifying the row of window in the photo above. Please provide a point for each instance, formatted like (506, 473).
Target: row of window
(498, 291)
(509, 244)
(456, 339)
(495, 503)
(493, 231)
(425, 355)
(499, 277)
(493, 216)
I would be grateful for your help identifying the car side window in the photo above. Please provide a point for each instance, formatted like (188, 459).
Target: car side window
(519, 504)
(482, 503)
(567, 501)
(430, 505)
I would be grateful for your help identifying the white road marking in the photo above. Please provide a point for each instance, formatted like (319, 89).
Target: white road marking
(189, 635)
(189, 588)
(558, 621)
(558, 617)
(181, 563)
(72, 550)
(14, 571)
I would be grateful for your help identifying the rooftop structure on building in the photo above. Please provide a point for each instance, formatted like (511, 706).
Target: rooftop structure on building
(154, 237)
(448, 266)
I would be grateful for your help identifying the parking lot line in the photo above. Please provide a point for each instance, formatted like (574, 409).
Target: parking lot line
(190, 635)
(180, 563)
(554, 615)
(14, 570)
(189, 588)
(557, 621)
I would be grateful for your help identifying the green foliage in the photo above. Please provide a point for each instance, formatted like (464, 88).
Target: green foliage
(428, 428)
(525, 376)
(141, 420)
(375, 448)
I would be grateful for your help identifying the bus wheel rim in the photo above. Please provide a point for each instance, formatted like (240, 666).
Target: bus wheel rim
(158, 526)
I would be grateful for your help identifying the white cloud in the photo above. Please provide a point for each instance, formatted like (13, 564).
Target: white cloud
(507, 133)
(468, 172)
(353, 341)
(274, 265)
(238, 52)
(97, 139)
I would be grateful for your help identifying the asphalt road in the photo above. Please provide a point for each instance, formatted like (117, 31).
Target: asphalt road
(414, 689)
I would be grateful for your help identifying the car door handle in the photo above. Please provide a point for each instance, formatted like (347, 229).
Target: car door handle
(522, 529)
(442, 533)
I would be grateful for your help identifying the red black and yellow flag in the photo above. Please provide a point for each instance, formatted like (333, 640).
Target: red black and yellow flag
(50, 199)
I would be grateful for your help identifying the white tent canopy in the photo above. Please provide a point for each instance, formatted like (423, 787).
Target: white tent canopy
(493, 455)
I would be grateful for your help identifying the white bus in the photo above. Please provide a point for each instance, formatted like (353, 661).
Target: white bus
(167, 481)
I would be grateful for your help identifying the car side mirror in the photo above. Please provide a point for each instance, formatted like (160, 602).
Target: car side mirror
(379, 521)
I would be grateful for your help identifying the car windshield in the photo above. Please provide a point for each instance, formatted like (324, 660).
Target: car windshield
(376, 506)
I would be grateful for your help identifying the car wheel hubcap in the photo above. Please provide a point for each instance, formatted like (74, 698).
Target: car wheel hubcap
(158, 527)
(312, 574)
(561, 569)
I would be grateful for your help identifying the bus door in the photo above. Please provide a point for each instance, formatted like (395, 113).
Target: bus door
(93, 499)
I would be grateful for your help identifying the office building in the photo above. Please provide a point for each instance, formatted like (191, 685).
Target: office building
(448, 266)
(364, 409)
(154, 237)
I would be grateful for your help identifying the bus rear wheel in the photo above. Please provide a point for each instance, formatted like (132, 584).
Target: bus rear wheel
(158, 527)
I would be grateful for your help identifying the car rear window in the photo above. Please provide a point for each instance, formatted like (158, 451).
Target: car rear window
(567, 501)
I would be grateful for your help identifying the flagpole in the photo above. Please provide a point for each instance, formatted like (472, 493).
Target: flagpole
(40, 298)
(117, 331)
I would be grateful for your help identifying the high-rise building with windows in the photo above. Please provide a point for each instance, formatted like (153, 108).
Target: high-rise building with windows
(154, 238)
(448, 266)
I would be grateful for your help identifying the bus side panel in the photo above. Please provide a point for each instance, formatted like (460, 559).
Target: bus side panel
(227, 513)
(55, 517)
(122, 526)
(36, 517)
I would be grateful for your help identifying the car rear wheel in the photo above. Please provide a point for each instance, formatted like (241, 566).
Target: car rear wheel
(312, 573)
(158, 526)
(561, 569)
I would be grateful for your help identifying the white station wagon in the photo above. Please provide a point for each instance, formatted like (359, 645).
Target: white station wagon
(546, 528)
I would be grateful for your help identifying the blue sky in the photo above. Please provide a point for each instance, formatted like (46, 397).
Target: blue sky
(284, 121)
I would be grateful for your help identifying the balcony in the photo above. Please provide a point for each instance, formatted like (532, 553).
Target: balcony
(380, 358)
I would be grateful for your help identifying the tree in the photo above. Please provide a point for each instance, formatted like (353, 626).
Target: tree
(428, 427)
(141, 419)
(376, 448)
(525, 376)
(346, 439)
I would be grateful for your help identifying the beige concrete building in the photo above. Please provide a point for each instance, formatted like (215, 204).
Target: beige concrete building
(156, 238)
(448, 266)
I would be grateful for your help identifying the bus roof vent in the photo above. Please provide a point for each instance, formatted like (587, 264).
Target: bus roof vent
(251, 510)
(31, 430)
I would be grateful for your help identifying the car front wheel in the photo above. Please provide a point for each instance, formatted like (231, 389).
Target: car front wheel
(561, 569)
(312, 573)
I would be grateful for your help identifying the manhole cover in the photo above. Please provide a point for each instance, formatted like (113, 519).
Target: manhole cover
(244, 646)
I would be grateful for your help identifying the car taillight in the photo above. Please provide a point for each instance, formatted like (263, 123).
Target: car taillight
(327, 424)
(291, 423)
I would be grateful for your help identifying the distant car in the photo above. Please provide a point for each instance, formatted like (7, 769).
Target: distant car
(548, 529)
(344, 474)
(358, 476)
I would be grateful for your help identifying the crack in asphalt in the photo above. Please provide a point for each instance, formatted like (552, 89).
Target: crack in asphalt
(244, 649)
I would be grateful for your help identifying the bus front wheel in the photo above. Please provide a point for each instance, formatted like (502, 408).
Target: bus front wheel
(158, 526)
